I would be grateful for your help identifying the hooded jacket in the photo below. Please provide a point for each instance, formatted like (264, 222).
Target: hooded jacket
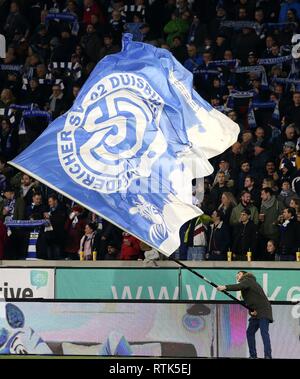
(271, 209)
(253, 295)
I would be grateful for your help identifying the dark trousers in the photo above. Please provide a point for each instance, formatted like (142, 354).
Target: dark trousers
(54, 251)
(16, 247)
(48, 248)
(263, 325)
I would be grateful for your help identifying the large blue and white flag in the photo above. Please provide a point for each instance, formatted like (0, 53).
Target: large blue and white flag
(135, 137)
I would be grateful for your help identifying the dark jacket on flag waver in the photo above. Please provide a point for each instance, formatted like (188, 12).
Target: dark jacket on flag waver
(253, 295)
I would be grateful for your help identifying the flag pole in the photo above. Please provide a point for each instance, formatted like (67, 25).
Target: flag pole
(210, 282)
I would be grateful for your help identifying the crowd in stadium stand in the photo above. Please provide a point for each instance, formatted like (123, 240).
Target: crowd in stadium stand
(239, 52)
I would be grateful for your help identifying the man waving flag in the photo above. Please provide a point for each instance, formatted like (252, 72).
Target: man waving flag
(129, 147)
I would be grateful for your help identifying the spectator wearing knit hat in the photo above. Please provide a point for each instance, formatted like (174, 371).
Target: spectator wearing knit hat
(287, 170)
(289, 135)
(286, 195)
(289, 152)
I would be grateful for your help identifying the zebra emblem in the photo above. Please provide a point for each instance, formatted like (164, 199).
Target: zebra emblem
(158, 230)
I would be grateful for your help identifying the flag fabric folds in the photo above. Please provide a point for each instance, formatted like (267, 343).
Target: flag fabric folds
(128, 148)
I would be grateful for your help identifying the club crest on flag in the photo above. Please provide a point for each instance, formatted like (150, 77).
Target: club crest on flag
(112, 137)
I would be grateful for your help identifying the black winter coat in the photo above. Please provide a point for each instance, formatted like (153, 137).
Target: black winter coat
(219, 238)
(245, 238)
(289, 238)
(253, 295)
(57, 219)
